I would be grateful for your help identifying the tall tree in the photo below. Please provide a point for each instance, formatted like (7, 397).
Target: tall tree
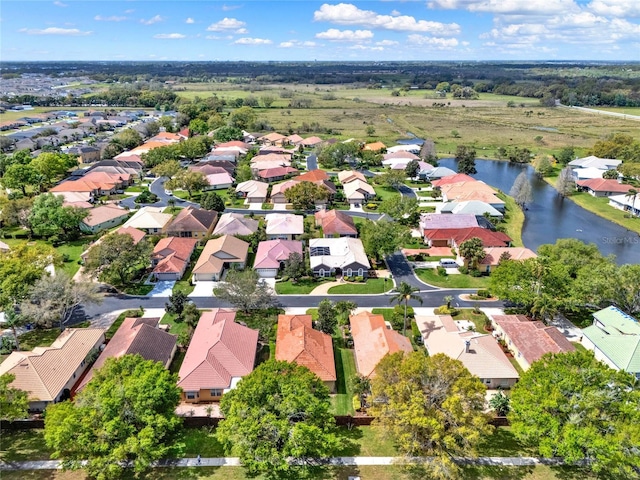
(430, 406)
(277, 415)
(226, 134)
(543, 166)
(391, 178)
(244, 290)
(54, 299)
(189, 181)
(20, 176)
(117, 259)
(566, 155)
(400, 208)
(305, 195)
(336, 155)
(53, 166)
(472, 251)
(243, 118)
(565, 184)
(412, 169)
(212, 201)
(403, 293)
(294, 267)
(327, 317)
(382, 238)
(50, 217)
(167, 169)
(573, 406)
(14, 403)
(466, 157)
(124, 415)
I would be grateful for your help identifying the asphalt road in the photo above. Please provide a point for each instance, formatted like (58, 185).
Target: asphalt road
(157, 187)
(402, 272)
(407, 192)
(312, 162)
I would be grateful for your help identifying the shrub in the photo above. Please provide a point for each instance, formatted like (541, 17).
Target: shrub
(359, 279)
(463, 270)
(476, 273)
(442, 271)
(483, 294)
(372, 206)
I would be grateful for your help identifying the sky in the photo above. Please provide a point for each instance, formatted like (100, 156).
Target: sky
(301, 30)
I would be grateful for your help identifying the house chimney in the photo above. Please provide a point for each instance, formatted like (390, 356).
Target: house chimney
(467, 346)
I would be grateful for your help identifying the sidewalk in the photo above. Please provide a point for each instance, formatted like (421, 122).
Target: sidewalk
(338, 461)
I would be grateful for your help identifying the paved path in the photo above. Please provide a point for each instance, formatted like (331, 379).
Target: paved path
(603, 112)
(337, 461)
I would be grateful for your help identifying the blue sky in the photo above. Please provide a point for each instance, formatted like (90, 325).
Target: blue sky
(310, 30)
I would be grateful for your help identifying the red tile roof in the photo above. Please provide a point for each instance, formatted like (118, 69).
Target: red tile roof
(604, 185)
(313, 176)
(298, 342)
(136, 335)
(459, 235)
(276, 172)
(335, 222)
(532, 339)
(174, 254)
(220, 350)
(136, 234)
(457, 178)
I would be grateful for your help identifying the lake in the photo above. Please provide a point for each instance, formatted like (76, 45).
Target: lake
(551, 216)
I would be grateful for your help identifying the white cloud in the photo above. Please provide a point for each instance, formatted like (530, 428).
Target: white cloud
(228, 8)
(348, 14)
(152, 20)
(189, 20)
(112, 18)
(70, 32)
(387, 43)
(511, 7)
(395, 13)
(297, 44)
(433, 42)
(169, 36)
(60, 4)
(253, 41)
(335, 35)
(616, 8)
(241, 31)
(130, 11)
(366, 48)
(227, 24)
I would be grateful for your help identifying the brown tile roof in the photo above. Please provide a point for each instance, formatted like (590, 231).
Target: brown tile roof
(347, 176)
(313, 176)
(372, 341)
(104, 213)
(234, 143)
(136, 335)
(276, 172)
(493, 254)
(335, 222)
(298, 342)
(220, 350)
(136, 234)
(173, 254)
(235, 224)
(310, 141)
(532, 339)
(217, 252)
(272, 137)
(604, 185)
(44, 372)
(192, 219)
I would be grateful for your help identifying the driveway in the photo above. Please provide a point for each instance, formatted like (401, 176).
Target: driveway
(203, 289)
(402, 272)
(162, 289)
(407, 192)
(312, 162)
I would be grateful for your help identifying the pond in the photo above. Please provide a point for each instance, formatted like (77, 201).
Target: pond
(551, 216)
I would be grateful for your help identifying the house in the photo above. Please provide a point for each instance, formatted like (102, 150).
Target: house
(374, 339)
(235, 143)
(135, 234)
(399, 155)
(313, 176)
(628, 203)
(171, 257)
(595, 162)
(336, 223)
(455, 178)
(492, 256)
(294, 139)
(437, 172)
(192, 223)
(470, 207)
(311, 142)
(102, 218)
(453, 237)
(298, 342)
(84, 186)
(48, 374)
(253, 191)
(86, 153)
(272, 138)
(219, 254)
(347, 176)
(479, 353)
(603, 187)
(614, 337)
(137, 336)
(283, 226)
(276, 174)
(235, 224)
(221, 352)
(411, 148)
(272, 254)
(219, 181)
(346, 256)
(472, 190)
(435, 221)
(375, 147)
(528, 340)
(357, 192)
(152, 220)
(277, 191)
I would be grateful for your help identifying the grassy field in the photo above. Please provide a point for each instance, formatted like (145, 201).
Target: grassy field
(623, 110)
(513, 219)
(301, 287)
(430, 276)
(371, 287)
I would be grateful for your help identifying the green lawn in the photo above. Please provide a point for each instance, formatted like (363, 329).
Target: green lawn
(175, 328)
(342, 401)
(301, 287)
(387, 313)
(69, 251)
(137, 289)
(430, 276)
(385, 192)
(478, 319)
(135, 189)
(513, 219)
(600, 206)
(184, 285)
(371, 287)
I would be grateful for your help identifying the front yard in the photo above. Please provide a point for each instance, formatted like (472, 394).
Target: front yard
(430, 276)
(372, 286)
(301, 287)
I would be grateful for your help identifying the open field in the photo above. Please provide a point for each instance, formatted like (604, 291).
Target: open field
(624, 110)
(430, 276)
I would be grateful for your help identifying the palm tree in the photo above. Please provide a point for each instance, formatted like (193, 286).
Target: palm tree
(403, 293)
(14, 321)
(631, 195)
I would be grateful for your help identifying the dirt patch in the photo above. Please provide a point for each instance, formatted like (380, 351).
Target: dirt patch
(467, 298)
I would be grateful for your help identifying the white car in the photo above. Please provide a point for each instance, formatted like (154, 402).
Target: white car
(168, 192)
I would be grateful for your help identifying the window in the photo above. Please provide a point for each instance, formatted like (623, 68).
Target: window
(318, 251)
(216, 392)
(360, 272)
(191, 395)
(321, 273)
(348, 272)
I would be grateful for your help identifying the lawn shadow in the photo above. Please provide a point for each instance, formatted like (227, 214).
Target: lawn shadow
(349, 438)
(495, 471)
